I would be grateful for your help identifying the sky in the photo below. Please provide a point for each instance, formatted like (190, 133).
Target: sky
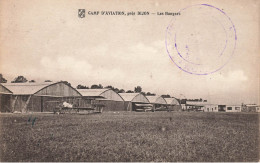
(46, 40)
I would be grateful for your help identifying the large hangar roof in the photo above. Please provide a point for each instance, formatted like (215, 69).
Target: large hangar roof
(4, 90)
(156, 99)
(106, 93)
(172, 101)
(55, 89)
(25, 88)
(134, 97)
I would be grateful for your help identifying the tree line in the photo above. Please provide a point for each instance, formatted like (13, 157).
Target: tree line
(137, 89)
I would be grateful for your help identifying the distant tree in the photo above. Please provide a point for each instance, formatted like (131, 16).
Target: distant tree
(66, 82)
(82, 87)
(143, 93)
(79, 86)
(109, 87)
(150, 94)
(32, 81)
(95, 86)
(47, 81)
(129, 91)
(196, 100)
(138, 89)
(183, 101)
(19, 79)
(116, 90)
(166, 96)
(2, 79)
(121, 91)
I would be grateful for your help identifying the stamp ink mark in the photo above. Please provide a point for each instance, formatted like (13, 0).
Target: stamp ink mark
(201, 44)
(31, 120)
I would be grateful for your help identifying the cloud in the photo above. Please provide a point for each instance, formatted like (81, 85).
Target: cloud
(234, 76)
(67, 67)
(147, 65)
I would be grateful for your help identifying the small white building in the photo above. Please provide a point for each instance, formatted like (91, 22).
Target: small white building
(193, 105)
(221, 108)
(251, 108)
(233, 108)
(210, 108)
(258, 109)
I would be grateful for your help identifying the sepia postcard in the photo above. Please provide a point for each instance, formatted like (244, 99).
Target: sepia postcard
(129, 81)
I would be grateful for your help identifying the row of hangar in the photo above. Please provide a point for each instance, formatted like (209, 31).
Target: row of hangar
(43, 97)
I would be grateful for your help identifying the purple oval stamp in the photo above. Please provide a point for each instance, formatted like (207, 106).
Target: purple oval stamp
(201, 40)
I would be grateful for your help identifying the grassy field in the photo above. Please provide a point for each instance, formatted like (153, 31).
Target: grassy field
(159, 136)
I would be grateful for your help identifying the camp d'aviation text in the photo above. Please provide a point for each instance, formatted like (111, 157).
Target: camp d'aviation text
(131, 13)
